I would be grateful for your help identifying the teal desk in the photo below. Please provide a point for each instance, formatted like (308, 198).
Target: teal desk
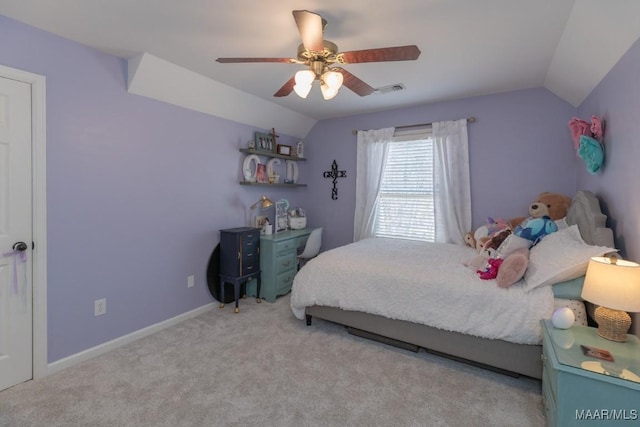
(278, 262)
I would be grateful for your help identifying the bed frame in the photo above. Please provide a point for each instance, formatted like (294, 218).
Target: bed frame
(502, 356)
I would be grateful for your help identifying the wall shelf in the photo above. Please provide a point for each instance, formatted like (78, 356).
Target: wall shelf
(266, 184)
(272, 154)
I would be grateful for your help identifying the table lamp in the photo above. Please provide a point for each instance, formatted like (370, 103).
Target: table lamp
(263, 203)
(614, 286)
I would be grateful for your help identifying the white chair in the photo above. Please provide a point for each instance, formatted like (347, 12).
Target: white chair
(311, 248)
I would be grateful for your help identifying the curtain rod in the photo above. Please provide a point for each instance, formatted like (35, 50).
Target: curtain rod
(469, 120)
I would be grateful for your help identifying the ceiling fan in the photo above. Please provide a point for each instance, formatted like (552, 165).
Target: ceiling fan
(320, 56)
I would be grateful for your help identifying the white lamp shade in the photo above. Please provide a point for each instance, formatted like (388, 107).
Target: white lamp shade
(613, 284)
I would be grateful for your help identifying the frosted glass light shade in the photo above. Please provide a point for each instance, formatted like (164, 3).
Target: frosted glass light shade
(304, 79)
(613, 284)
(302, 90)
(328, 92)
(331, 83)
(333, 79)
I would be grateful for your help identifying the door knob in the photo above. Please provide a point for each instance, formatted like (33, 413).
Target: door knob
(20, 246)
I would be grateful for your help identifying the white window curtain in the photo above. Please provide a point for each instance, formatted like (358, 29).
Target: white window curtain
(451, 181)
(372, 148)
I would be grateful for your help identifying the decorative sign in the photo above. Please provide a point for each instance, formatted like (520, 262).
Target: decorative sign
(335, 174)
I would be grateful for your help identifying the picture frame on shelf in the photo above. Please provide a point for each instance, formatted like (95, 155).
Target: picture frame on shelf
(261, 173)
(281, 215)
(264, 142)
(284, 150)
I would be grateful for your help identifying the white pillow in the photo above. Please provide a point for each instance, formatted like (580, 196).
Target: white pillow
(559, 257)
(511, 244)
(562, 223)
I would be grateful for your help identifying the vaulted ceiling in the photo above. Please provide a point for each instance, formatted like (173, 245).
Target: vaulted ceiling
(468, 47)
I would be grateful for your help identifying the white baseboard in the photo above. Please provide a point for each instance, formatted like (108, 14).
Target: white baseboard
(74, 359)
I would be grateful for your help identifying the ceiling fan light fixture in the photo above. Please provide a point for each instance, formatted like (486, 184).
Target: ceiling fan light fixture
(304, 78)
(331, 82)
(333, 79)
(302, 90)
(328, 92)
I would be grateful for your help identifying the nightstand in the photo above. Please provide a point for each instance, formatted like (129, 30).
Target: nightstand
(579, 390)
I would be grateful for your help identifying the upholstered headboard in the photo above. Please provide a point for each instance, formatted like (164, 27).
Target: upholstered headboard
(586, 213)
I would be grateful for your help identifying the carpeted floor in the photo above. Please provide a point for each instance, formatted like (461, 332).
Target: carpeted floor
(263, 367)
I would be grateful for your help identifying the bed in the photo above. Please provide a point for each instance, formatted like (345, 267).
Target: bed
(420, 295)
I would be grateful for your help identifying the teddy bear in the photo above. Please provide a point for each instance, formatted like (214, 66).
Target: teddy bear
(553, 205)
(544, 211)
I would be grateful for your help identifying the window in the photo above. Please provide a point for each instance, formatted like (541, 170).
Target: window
(405, 206)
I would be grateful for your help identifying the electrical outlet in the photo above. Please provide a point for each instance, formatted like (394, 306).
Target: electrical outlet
(100, 307)
(191, 281)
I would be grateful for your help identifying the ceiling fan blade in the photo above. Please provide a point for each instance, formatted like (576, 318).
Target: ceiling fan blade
(354, 83)
(310, 27)
(398, 53)
(239, 60)
(287, 88)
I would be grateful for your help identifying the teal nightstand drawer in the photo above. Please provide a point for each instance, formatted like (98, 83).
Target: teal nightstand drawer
(549, 404)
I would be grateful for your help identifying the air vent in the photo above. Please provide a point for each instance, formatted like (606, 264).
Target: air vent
(391, 88)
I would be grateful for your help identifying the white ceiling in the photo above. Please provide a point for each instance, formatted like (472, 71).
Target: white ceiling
(469, 47)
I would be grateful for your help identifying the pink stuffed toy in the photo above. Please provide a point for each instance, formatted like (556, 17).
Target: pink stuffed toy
(492, 271)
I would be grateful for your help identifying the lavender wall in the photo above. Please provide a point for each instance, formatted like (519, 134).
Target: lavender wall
(617, 100)
(519, 146)
(137, 190)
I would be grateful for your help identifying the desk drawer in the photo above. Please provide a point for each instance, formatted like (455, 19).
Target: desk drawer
(285, 262)
(285, 246)
(284, 281)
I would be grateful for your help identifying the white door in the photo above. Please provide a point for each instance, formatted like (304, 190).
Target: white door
(16, 327)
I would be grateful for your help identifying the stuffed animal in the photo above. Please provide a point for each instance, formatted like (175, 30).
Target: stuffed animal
(492, 245)
(513, 251)
(491, 272)
(553, 205)
(513, 268)
(479, 238)
(534, 229)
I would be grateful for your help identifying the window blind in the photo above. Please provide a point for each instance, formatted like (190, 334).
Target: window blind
(406, 203)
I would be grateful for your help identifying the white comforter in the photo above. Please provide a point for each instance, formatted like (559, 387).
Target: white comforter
(422, 283)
